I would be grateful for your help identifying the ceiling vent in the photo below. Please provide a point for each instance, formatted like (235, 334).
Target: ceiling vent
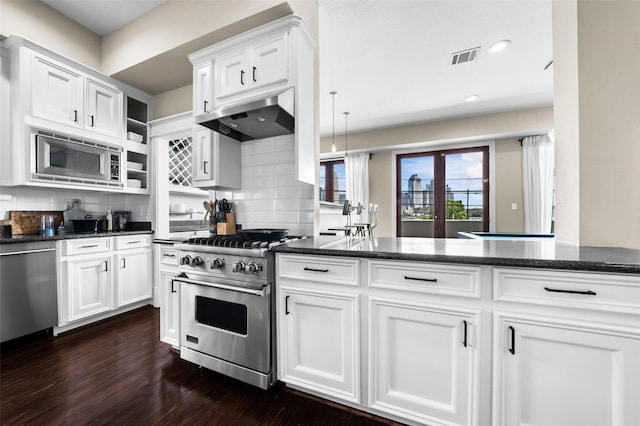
(464, 56)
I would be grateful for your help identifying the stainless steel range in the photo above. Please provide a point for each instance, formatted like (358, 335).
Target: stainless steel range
(227, 306)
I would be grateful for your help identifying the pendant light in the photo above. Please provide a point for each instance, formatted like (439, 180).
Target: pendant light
(333, 117)
(346, 145)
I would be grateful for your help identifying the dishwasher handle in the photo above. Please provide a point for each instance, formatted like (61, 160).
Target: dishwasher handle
(11, 253)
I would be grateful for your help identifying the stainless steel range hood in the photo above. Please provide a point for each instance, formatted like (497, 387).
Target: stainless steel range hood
(257, 119)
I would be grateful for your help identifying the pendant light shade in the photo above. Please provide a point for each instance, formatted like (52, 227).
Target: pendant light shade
(346, 144)
(333, 118)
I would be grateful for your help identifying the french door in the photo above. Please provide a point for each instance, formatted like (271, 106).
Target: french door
(441, 193)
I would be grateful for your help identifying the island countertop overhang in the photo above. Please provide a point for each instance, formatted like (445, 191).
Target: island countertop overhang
(525, 254)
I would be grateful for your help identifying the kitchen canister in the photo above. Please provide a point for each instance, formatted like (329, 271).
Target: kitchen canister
(47, 227)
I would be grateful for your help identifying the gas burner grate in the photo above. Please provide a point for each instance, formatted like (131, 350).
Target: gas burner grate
(234, 241)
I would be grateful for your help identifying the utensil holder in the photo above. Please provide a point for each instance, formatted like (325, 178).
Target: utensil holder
(228, 227)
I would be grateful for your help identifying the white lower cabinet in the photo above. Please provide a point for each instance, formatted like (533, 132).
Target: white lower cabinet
(166, 271)
(101, 277)
(556, 372)
(422, 362)
(133, 280)
(90, 290)
(319, 335)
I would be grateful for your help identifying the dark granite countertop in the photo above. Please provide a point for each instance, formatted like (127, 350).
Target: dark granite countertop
(528, 254)
(36, 237)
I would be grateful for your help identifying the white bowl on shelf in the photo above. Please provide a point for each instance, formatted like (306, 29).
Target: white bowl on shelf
(132, 165)
(134, 183)
(178, 208)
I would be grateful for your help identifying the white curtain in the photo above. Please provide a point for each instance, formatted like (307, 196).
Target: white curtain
(357, 181)
(537, 180)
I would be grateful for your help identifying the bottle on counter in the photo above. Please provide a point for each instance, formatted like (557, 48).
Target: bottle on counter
(109, 220)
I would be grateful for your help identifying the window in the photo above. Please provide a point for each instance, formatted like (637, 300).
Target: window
(332, 181)
(441, 193)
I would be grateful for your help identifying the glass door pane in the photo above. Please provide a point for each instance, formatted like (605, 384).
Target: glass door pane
(464, 192)
(416, 198)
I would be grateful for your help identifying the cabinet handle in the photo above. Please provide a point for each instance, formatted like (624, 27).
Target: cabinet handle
(91, 116)
(173, 290)
(242, 77)
(554, 290)
(75, 115)
(465, 343)
(316, 270)
(431, 280)
(254, 74)
(169, 255)
(286, 305)
(134, 242)
(512, 348)
(89, 246)
(204, 167)
(105, 266)
(205, 106)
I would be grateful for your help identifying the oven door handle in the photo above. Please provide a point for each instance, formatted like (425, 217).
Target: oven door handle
(255, 292)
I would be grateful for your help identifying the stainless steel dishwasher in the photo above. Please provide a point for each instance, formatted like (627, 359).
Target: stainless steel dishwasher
(28, 297)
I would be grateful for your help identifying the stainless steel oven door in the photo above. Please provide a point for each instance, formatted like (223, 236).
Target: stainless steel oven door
(228, 322)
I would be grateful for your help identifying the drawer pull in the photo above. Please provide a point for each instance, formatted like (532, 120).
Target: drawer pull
(315, 270)
(555, 290)
(89, 246)
(286, 305)
(431, 280)
(134, 242)
(512, 349)
(169, 255)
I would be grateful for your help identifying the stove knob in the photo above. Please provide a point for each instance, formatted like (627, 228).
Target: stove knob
(197, 261)
(238, 266)
(186, 260)
(217, 263)
(253, 268)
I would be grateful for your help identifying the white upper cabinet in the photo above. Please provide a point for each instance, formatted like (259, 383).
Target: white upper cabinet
(202, 88)
(104, 109)
(66, 96)
(57, 93)
(216, 160)
(259, 64)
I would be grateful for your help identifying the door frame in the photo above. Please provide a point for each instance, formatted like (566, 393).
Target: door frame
(445, 146)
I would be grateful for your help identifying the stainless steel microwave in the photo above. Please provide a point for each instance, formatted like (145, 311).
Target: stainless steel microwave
(77, 160)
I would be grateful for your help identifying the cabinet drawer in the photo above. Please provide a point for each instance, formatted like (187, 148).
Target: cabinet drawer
(168, 256)
(132, 241)
(86, 246)
(568, 289)
(426, 278)
(330, 270)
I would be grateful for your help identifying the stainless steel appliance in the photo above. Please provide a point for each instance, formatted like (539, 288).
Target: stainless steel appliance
(63, 158)
(227, 319)
(28, 297)
(255, 119)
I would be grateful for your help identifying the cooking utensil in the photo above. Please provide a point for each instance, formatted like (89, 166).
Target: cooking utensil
(264, 234)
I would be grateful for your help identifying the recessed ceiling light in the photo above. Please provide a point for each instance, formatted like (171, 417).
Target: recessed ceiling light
(471, 98)
(499, 46)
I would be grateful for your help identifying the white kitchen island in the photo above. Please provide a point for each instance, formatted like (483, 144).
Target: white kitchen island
(463, 332)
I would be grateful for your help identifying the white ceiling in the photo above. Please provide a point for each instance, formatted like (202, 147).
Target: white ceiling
(389, 60)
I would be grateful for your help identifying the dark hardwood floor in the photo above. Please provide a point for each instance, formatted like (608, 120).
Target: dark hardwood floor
(117, 372)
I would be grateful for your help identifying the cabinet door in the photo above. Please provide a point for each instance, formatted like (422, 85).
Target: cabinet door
(269, 61)
(231, 72)
(202, 155)
(169, 308)
(57, 93)
(90, 287)
(104, 109)
(565, 374)
(319, 342)
(134, 277)
(422, 362)
(202, 85)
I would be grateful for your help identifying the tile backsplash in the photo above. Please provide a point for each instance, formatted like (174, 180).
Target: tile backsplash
(97, 203)
(271, 197)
